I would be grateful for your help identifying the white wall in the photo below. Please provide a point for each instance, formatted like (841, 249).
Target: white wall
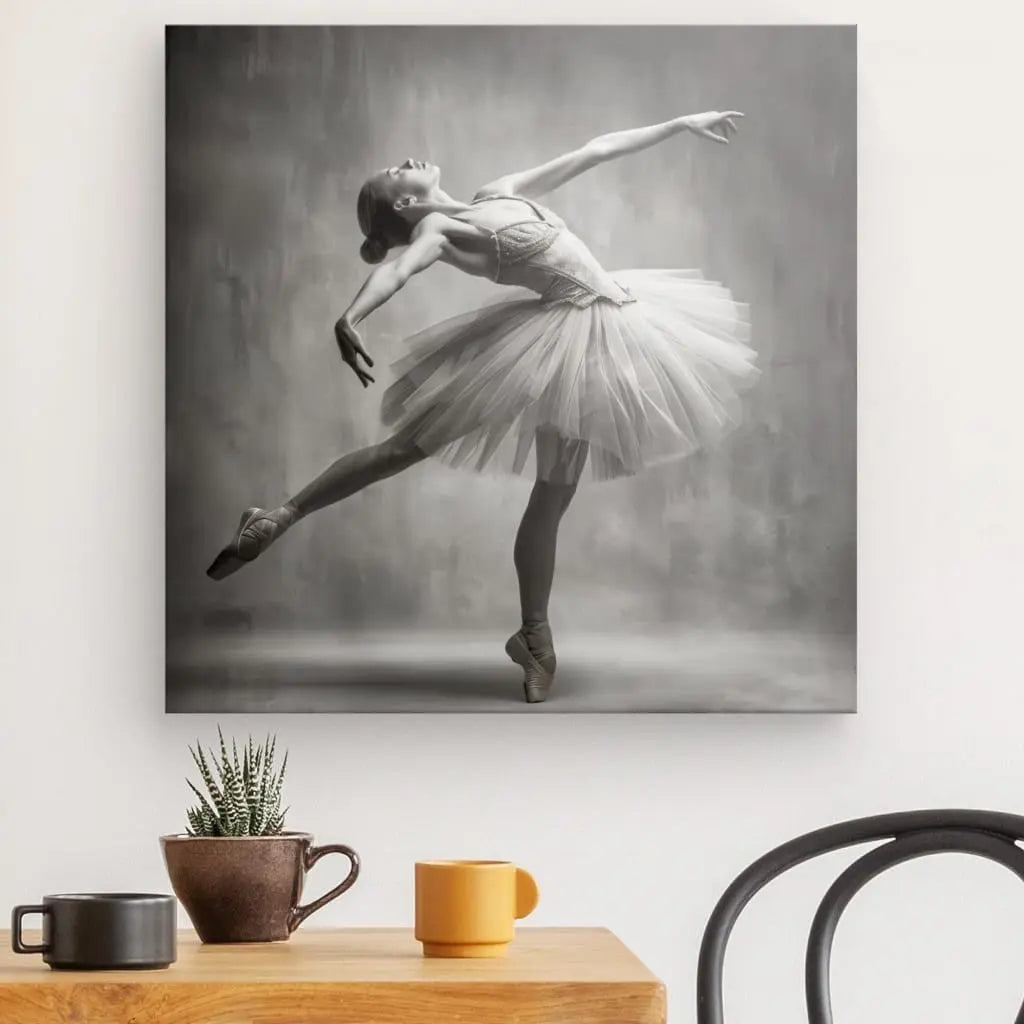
(636, 823)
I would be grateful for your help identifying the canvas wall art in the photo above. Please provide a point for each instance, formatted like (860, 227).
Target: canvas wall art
(511, 369)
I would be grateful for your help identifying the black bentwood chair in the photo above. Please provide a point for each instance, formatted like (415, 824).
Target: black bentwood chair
(912, 834)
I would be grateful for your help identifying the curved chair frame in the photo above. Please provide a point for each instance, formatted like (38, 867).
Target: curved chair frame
(988, 834)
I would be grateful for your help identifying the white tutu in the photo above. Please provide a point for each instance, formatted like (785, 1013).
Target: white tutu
(631, 385)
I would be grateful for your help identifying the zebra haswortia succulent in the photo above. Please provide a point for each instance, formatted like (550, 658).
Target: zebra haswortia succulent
(244, 799)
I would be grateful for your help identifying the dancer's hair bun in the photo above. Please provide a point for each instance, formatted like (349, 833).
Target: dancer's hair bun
(373, 249)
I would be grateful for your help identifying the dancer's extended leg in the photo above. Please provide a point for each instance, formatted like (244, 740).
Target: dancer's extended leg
(355, 471)
(560, 463)
(259, 528)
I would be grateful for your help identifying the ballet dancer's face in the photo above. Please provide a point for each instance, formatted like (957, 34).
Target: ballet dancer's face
(414, 178)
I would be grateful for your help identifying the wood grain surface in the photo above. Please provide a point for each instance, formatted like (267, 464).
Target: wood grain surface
(351, 976)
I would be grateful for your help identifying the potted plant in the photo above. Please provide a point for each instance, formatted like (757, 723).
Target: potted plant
(237, 872)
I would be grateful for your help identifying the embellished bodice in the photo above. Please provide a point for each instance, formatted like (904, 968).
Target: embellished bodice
(542, 254)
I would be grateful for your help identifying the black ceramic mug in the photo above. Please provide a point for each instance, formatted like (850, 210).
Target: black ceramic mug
(102, 931)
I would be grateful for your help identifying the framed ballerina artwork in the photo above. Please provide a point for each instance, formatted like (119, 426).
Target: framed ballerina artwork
(511, 369)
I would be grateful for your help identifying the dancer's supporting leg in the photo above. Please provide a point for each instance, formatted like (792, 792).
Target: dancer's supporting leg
(259, 528)
(560, 463)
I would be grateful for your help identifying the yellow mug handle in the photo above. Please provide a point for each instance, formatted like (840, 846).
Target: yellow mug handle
(527, 894)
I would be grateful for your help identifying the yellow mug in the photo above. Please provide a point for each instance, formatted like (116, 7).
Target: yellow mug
(468, 908)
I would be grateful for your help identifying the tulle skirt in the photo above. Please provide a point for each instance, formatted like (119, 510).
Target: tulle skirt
(624, 387)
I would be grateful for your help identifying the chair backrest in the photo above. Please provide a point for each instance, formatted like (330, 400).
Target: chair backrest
(989, 834)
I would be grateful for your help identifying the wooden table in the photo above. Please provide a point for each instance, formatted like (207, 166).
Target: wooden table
(353, 976)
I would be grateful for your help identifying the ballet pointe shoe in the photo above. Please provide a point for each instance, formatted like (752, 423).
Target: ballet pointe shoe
(533, 650)
(257, 530)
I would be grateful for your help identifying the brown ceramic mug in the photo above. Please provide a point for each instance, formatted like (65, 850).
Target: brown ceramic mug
(247, 888)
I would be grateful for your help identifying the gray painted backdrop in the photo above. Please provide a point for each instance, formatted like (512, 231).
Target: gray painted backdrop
(270, 134)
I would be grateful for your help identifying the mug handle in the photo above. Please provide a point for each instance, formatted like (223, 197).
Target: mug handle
(313, 854)
(17, 916)
(527, 894)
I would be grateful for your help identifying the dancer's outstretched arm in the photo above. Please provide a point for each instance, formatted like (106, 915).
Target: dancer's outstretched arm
(425, 249)
(536, 181)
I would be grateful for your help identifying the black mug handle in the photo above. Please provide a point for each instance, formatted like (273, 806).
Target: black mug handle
(313, 854)
(17, 915)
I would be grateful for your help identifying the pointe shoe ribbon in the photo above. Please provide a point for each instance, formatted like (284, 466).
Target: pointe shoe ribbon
(537, 660)
(257, 530)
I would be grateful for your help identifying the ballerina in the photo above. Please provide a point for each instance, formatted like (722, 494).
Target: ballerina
(623, 370)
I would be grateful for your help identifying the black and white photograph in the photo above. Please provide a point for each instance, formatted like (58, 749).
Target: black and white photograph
(511, 368)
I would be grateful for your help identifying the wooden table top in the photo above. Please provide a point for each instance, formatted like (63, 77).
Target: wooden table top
(349, 976)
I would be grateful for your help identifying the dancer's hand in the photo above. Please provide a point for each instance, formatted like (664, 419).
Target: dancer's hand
(714, 125)
(351, 349)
